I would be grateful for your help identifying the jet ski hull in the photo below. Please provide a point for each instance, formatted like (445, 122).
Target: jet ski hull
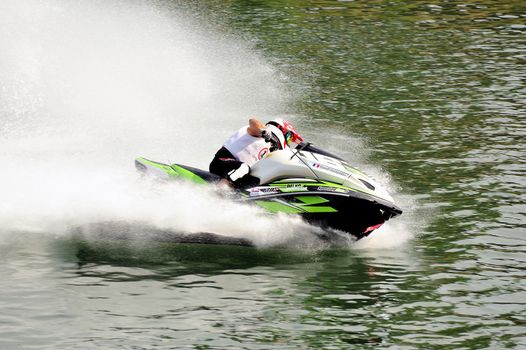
(323, 203)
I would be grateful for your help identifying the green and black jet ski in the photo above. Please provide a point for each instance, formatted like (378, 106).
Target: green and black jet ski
(323, 188)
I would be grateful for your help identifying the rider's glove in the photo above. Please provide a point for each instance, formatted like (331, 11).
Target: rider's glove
(238, 173)
(266, 134)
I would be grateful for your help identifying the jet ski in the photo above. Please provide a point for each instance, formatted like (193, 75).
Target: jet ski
(322, 188)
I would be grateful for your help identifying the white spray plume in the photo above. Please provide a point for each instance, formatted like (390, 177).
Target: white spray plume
(87, 86)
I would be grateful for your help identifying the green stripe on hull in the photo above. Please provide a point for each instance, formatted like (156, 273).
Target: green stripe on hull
(306, 205)
(319, 209)
(309, 204)
(187, 174)
(174, 171)
(276, 207)
(166, 168)
(311, 200)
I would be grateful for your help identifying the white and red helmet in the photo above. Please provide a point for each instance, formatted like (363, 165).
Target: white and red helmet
(287, 131)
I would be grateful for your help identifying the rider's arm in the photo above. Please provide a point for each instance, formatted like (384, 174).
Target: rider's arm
(255, 127)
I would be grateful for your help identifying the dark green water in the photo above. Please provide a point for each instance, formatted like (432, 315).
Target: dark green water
(431, 92)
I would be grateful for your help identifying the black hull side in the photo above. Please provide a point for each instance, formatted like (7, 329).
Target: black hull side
(355, 213)
(359, 218)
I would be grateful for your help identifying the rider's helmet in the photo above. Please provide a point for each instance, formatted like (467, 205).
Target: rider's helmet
(284, 131)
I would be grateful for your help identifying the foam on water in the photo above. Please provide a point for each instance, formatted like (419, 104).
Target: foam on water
(87, 86)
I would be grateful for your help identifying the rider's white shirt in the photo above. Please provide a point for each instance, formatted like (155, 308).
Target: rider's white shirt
(246, 148)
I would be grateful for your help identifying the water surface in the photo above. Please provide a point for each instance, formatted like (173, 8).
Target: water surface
(428, 96)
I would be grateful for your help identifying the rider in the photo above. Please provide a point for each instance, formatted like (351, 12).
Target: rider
(248, 145)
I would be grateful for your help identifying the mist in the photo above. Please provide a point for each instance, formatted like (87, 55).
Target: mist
(87, 86)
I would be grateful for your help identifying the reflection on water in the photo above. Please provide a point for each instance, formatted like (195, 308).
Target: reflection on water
(277, 295)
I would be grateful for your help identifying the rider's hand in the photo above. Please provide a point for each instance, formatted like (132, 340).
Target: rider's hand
(266, 134)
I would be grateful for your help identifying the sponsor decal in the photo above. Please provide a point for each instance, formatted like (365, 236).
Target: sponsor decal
(317, 165)
(294, 188)
(336, 171)
(262, 153)
(331, 189)
(260, 191)
(327, 189)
